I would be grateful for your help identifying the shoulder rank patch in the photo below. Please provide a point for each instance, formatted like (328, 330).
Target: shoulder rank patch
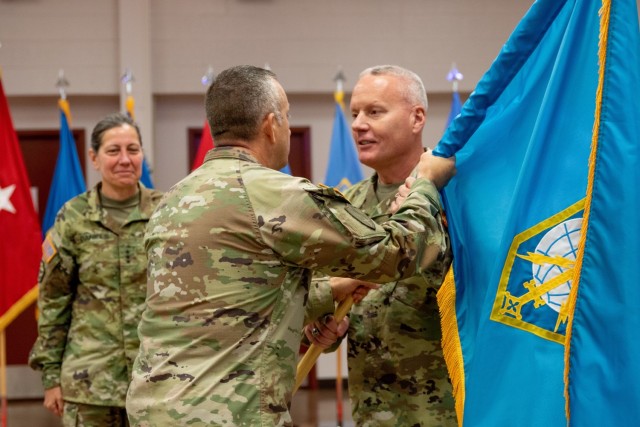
(361, 217)
(48, 248)
(332, 190)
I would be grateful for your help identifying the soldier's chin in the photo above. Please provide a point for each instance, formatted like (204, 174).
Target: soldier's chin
(368, 159)
(129, 182)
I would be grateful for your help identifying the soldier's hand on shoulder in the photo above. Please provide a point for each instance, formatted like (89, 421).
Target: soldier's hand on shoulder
(401, 195)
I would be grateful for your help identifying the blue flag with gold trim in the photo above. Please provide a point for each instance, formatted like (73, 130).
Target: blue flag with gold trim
(604, 346)
(68, 179)
(344, 168)
(145, 176)
(515, 209)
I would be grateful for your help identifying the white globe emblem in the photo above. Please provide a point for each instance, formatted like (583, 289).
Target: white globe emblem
(561, 241)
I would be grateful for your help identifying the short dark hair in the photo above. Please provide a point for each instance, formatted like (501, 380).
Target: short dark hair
(109, 122)
(238, 99)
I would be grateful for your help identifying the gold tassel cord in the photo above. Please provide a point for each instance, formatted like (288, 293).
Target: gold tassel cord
(64, 106)
(130, 106)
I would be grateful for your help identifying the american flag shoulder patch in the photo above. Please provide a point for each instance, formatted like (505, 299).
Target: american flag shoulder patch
(48, 248)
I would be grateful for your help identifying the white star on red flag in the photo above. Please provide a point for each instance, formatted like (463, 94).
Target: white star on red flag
(5, 195)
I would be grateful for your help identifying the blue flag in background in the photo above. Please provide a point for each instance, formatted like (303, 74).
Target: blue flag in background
(344, 168)
(456, 107)
(604, 347)
(68, 179)
(515, 210)
(286, 169)
(145, 178)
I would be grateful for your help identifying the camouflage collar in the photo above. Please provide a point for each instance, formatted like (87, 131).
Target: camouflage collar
(228, 151)
(364, 197)
(96, 213)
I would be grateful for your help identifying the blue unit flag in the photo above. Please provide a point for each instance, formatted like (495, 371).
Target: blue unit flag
(456, 106)
(344, 168)
(603, 351)
(145, 177)
(68, 179)
(516, 212)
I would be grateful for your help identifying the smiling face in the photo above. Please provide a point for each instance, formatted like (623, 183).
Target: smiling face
(119, 161)
(386, 126)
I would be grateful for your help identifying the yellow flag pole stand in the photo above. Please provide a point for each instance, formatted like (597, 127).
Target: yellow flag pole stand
(312, 354)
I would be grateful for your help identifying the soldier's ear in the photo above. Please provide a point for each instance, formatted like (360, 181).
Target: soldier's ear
(269, 127)
(418, 118)
(93, 156)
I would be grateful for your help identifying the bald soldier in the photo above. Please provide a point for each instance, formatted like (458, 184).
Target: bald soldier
(231, 251)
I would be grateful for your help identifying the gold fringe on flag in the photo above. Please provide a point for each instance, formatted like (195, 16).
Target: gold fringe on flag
(451, 346)
(605, 12)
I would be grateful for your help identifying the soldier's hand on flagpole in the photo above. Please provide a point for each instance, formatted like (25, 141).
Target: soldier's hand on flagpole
(326, 331)
(438, 170)
(341, 287)
(312, 354)
(53, 400)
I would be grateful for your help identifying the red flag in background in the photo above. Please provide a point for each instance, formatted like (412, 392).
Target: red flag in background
(206, 144)
(20, 236)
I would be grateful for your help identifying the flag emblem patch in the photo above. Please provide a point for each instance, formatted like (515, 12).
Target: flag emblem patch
(537, 275)
(48, 248)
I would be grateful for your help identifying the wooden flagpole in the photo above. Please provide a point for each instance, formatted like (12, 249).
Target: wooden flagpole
(311, 356)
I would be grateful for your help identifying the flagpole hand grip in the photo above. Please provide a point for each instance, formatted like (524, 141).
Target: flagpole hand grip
(311, 356)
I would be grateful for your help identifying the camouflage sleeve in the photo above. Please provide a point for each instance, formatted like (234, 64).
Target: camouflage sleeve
(320, 281)
(55, 299)
(320, 302)
(321, 230)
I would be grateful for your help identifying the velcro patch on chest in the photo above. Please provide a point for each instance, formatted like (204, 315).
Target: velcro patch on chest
(361, 216)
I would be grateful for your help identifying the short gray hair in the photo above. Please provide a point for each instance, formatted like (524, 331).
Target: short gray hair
(238, 99)
(415, 92)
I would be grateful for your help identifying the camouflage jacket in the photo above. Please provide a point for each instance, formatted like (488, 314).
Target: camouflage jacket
(231, 249)
(397, 373)
(91, 293)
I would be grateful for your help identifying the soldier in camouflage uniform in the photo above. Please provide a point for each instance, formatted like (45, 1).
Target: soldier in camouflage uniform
(397, 373)
(231, 249)
(92, 285)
